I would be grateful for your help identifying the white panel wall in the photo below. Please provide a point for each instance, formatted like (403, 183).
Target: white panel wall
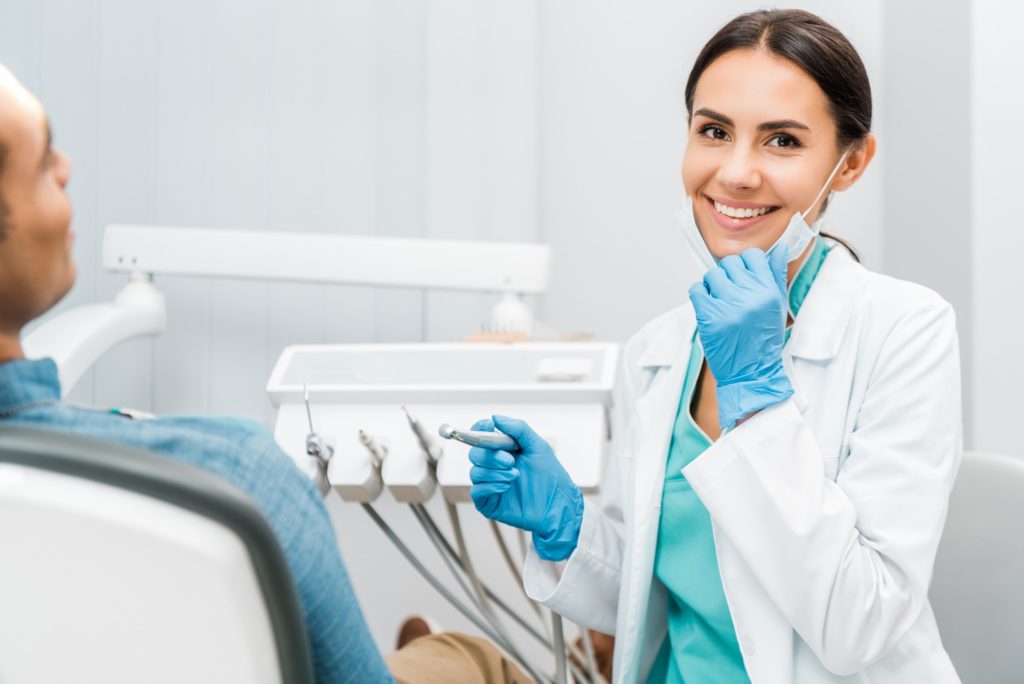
(928, 152)
(613, 125)
(393, 118)
(997, 237)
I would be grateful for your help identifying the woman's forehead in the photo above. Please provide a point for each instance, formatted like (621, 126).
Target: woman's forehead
(754, 86)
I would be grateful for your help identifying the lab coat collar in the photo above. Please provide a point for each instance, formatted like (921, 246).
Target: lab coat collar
(825, 315)
(671, 345)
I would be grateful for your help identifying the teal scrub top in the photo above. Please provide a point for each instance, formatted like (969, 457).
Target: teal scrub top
(701, 645)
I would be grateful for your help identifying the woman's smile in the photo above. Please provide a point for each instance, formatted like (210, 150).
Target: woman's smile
(737, 216)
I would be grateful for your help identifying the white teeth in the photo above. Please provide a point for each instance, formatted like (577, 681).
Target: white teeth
(740, 213)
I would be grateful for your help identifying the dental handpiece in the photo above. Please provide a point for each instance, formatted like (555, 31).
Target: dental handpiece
(378, 452)
(428, 445)
(486, 440)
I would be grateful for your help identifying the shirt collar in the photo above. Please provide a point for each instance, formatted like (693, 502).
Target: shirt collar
(24, 382)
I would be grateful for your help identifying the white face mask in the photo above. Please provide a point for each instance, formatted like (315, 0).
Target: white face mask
(794, 239)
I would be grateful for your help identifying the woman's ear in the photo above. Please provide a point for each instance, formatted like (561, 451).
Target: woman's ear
(856, 163)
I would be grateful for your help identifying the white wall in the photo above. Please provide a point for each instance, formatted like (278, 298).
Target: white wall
(384, 117)
(928, 236)
(997, 237)
(613, 123)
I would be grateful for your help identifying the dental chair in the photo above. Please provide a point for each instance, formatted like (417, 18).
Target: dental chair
(119, 565)
(977, 591)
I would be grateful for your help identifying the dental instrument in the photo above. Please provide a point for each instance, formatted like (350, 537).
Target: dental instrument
(318, 448)
(485, 440)
(378, 452)
(427, 443)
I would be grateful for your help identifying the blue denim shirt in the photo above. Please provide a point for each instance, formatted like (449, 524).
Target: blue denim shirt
(244, 453)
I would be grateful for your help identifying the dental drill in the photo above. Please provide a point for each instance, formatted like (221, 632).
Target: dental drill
(429, 446)
(378, 452)
(486, 440)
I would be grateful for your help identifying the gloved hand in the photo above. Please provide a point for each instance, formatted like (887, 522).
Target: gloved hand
(529, 490)
(741, 318)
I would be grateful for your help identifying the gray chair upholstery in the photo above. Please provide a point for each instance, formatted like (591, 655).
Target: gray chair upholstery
(978, 588)
(121, 565)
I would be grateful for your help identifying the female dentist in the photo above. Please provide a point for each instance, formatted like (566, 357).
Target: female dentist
(773, 505)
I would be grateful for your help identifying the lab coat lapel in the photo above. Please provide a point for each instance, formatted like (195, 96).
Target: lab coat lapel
(821, 325)
(666, 358)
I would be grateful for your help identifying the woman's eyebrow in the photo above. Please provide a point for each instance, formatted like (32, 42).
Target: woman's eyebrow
(766, 126)
(782, 123)
(712, 114)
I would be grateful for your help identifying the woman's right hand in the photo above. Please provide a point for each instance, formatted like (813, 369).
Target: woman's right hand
(529, 489)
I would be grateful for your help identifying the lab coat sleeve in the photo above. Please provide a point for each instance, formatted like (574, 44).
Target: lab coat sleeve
(848, 562)
(585, 587)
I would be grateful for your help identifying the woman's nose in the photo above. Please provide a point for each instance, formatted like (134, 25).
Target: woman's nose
(739, 170)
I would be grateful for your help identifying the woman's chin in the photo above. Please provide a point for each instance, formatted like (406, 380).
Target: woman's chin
(722, 247)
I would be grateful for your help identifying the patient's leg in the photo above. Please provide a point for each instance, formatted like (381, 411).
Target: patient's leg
(451, 658)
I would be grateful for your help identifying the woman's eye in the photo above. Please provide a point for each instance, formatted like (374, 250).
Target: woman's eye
(713, 132)
(784, 140)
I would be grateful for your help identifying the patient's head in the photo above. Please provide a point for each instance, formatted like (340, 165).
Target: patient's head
(36, 269)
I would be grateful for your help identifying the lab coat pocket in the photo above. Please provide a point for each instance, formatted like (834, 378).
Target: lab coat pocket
(832, 460)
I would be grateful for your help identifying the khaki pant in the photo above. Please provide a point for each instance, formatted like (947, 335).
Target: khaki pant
(451, 658)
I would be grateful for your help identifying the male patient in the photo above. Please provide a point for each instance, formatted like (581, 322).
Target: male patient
(36, 271)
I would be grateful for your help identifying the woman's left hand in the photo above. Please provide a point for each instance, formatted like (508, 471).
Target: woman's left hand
(741, 318)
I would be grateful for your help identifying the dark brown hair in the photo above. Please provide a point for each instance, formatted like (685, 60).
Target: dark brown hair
(815, 46)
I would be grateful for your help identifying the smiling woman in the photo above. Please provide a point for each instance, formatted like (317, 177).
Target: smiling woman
(779, 103)
(755, 525)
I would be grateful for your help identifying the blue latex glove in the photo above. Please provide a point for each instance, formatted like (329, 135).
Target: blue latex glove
(741, 318)
(529, 489)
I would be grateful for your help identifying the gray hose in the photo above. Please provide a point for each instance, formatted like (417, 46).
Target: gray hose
(495, 634)
(561, 677)
(487, 590)
(433, 581)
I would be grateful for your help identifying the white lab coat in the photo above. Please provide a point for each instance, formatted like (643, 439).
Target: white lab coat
(827, 509)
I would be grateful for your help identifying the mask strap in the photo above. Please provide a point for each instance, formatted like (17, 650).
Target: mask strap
(829, 179)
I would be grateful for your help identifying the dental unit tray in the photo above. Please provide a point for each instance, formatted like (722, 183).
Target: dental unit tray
(564, 390)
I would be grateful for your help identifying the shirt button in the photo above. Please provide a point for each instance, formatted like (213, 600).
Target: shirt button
(748, 645)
